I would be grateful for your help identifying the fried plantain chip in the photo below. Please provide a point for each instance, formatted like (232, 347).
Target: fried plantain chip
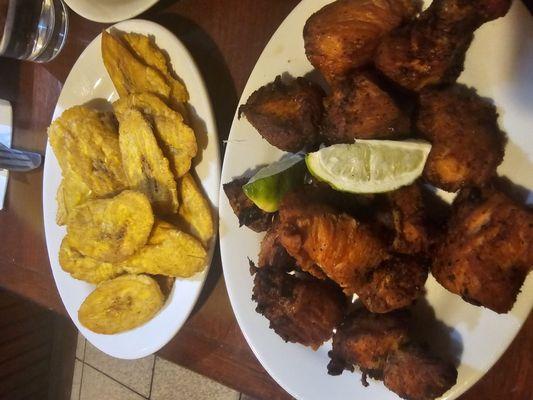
(146, 50)
(168, 252)
(111, 229)
(121, 304)
(129, 75)
(85, 143)
(195, 209)
(71, 193)
(146, 168)
(85, 268)
(176, 139)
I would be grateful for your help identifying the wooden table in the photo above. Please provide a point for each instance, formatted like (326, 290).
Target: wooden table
(225, 37)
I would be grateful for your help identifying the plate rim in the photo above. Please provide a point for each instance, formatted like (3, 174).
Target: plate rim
(118, 18)
(213, 133)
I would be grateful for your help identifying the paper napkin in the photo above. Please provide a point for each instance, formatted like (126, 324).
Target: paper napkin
(6, 131)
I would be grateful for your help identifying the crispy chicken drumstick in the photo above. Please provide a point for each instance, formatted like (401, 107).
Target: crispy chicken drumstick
(343, 35)
(431, 50)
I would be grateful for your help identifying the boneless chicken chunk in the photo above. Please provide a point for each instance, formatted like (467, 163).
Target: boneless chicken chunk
(287, 115)
(488, 249)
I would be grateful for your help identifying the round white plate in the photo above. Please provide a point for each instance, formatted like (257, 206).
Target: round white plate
(499, 65)
(88, 82)
(108, 11)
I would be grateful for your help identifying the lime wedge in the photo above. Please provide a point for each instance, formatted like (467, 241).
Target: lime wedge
(369, 166)
(267, 187)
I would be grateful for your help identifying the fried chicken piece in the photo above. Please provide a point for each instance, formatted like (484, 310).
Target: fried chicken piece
(467, 143)
(300, 311)
(358, 205)
(395, 284)
(382, 346)
(344, 35)
(488, 249)
(328, 243)
(431, 50)
(415, 374)
(245, 210)
(359, 108)
(272, 254)
(325, 242)
(366, 340)
(410, 220)
(286, 115)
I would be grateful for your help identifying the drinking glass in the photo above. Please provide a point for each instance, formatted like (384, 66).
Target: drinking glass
(33, 30)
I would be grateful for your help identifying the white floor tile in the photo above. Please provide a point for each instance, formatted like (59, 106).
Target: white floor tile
(80, 347)
(97, 386)
(135, 374)
(172, 382)
(76, 380)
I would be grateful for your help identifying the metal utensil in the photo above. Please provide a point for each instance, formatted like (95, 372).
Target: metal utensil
(17, 160)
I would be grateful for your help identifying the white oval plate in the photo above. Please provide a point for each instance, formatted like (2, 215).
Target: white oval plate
(109, 11)
(498, 65)
(88, 80)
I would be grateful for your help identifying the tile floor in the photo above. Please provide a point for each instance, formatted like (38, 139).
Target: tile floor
(98, 376)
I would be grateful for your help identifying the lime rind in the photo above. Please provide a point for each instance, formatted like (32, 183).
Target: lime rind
(277, 167)
(369, 166)
(269, 185)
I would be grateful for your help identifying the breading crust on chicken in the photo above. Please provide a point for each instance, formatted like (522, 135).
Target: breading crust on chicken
(302, 311)
(382, 346)
(246, 211)
(410, 220)
(344, 34)
(467, 143)
(359, 107)
(431, 49)
(272, 254)
(414, 373)
(366, 339)
(325, 242)
(396, 283)
(488, 249)
(287, 115)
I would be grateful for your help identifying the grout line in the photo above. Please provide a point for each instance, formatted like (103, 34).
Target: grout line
(113, 379)
(81, 380)
(152, 378)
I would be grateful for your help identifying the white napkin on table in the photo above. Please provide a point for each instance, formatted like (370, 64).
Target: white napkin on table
(6, 132)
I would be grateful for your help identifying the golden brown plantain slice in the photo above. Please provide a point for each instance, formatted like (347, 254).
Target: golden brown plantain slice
(129, 75)
(85, 143)
(111, 229)
(71, 193)
(175, 138)
(168, 252)
(146, 168)
(195, 209)
(146, 50)
(85, 268)
(121, 304)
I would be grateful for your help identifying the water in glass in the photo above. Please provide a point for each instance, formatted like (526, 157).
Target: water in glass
(33, 30)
